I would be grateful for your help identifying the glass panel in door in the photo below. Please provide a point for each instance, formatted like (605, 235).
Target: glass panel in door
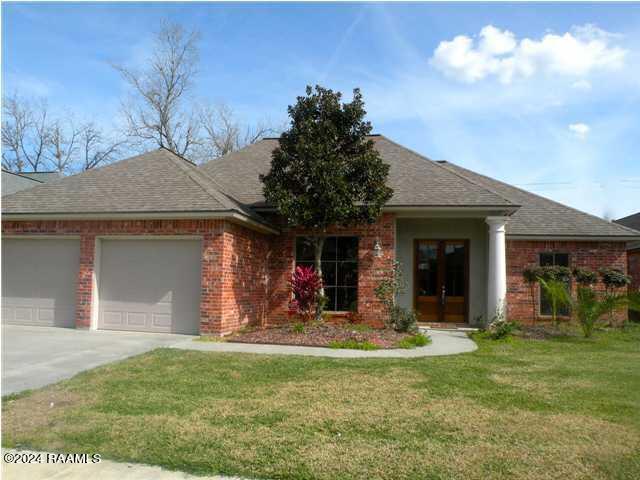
(427, 281)
(455, 282)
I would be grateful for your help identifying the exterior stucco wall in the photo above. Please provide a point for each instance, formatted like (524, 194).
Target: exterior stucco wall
(472, 229)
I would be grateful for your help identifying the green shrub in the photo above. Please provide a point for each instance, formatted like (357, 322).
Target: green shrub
(614, 278)
(353, 345)
(554, 272)
(584, 276)
(417, 340)
(403, 320)
(298, 327)
(500, 327)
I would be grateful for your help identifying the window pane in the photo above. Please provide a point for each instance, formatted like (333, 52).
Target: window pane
(348, 274)
(546, 259)
(454, 269)
(329, 273)
(546, 309)
(562, 259)
(329, 249)
(330, 293)
(347, 299)
(545, 304)
(427, 269)
(304, 250)
(348, 248)
(304, 264)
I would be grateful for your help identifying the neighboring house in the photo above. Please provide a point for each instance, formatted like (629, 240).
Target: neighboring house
(633, 255)
(155, 243)
(14, 182)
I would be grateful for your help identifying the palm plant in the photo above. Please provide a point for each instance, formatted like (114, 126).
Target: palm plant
(557, 291)
(589, 308)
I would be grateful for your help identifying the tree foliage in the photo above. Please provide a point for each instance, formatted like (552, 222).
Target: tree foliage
(326, 171)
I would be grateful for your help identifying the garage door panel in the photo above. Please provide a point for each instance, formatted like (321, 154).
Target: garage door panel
(39, 279)
(150, 285)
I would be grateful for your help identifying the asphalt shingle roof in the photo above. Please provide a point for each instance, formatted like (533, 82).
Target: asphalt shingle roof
(13, 182)
(157, 181)
(416, 180)
(631, 221)
(539, 216)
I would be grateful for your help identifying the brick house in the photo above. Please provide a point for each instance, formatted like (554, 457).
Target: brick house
(156, 243)
(633, 256)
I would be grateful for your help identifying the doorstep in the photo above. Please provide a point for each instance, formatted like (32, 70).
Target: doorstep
(460, 327)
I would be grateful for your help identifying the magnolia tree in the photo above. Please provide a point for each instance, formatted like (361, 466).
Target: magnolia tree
(326, 171)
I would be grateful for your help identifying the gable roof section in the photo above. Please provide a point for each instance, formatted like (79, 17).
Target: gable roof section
(155, 182)
(14, 182)
(539, 216)
(416, 180)
(631, 221)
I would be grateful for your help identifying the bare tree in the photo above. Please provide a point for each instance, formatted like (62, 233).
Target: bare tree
(63, 145)
(223, 134)
(156, 110)
(96, 149)
(26, 134)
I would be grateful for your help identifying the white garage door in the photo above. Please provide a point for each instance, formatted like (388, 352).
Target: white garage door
(150, 285)
(39, 279)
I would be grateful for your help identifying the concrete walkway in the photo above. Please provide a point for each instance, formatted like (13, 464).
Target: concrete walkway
(104, 470)
(443, 342)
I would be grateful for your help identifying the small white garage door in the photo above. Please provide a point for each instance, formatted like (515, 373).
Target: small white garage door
(150, 285)
(39, 279)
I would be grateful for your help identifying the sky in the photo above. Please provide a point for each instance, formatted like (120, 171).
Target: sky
(543, 96)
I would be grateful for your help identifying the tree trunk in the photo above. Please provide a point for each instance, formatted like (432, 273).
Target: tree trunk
(319, 244)
(532, 289)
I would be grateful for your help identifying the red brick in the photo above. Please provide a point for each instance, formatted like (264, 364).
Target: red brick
(524, 253)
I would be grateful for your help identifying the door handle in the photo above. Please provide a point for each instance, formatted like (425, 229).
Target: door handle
(443, 295)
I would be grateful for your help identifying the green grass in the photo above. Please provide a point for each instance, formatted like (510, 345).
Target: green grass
(417, 340)
(353, 344)
(358, 327)
(515, 409)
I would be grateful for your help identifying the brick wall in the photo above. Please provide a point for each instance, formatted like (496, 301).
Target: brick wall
(244, 270)
(524, 253)
(633, 266)
(370, 268)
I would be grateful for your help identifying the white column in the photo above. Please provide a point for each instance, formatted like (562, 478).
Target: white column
(497, 271)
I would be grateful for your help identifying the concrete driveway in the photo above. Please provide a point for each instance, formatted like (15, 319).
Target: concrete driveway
(36, 356)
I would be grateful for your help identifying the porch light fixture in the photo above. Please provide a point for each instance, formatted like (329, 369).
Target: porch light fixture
(377, 248)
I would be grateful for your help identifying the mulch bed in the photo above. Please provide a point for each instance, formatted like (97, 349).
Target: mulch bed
(543, 332)
(319, 335)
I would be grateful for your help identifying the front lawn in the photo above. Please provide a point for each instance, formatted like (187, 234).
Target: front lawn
(517, 409)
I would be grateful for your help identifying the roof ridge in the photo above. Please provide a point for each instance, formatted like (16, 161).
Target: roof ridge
(448, 170)
(613, 223)
(22, 176)
(192, 173)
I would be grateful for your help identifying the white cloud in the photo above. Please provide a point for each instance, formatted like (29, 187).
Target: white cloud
(580, 130)
(498, 53)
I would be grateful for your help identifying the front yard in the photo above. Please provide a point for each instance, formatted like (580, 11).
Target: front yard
(526, 409)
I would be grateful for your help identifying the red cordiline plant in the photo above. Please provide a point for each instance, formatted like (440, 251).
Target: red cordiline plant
(305, 285)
